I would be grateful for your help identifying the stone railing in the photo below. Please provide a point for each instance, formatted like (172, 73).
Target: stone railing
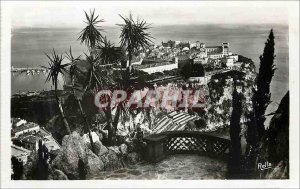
(185, 142)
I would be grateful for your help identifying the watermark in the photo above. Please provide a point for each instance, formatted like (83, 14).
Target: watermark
(168, 99)
(264, 166)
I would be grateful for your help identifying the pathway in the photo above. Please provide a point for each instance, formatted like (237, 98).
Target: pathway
(181, 166)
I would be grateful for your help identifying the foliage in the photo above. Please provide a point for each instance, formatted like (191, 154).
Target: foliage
(264, 78)
(234, 166)
(275, 142)
(55, 68)
(200, 124)
(42, 166)
(17, 168)
(91, 34)
(134, 35)
(192, 70)
(108, 53)
(73, 72)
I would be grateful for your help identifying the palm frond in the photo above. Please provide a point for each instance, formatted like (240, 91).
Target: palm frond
(134, 34)
(55, 67)
(91, 34)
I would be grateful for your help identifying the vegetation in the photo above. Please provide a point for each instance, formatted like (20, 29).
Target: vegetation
(42, 165)
(234, 166)
(91, 34)
(192, 70)
(73, 72)
(134, 35)
(17, 168)
(108, 53)
(56, 67)
(275, 142)
(264, 78)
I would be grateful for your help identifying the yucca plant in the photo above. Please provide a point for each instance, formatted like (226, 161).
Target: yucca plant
(55, 68)
(108, 53)
(74, 71)
(91, 34)
(134, 35)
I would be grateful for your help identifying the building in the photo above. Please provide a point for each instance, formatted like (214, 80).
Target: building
(157, 67)
(228, 61)
(213, 52)
(30, 142)
(21, 154)
(25, 128)
(169, 43)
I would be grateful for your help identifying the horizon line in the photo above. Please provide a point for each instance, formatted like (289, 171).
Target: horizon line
(157, 25)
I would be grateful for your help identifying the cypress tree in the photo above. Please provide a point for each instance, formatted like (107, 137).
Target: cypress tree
(42, 166)
(17, 168)
(234, 167)
(264, 78)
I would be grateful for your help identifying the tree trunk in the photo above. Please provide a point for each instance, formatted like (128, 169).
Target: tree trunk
(129, 61)
(111, 133)
(87, 123)
(61, 110)
(116, 120)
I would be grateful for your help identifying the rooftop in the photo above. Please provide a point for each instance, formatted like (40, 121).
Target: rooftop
(17, 151)
(31, 139)
(29, 125)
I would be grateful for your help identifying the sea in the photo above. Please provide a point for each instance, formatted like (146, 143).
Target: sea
(29, 45)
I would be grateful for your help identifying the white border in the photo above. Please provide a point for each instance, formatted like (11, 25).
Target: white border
(293, 182)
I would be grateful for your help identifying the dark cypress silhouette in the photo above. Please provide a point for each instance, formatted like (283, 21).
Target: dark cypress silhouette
(234, 166)
(264, 78)
(42, 166)
(275, 143)
(17, 169)
(252, 145)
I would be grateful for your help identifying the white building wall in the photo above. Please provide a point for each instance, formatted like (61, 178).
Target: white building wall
(160, 68)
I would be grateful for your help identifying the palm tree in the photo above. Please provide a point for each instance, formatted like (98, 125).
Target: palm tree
(56, 67)
(91, 34)
(97, 75)
(134, 35)
(108, 53)
(74, 71)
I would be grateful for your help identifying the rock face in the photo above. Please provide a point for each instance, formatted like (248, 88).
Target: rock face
(93, 164)
(123, 149)
(73, 149)
(133, 158)
(279, 172)
(76, 160)
(112, 161)
(59, 175)
(100, 149)
(115, 149)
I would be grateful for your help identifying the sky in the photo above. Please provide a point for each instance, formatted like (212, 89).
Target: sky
(71, 14)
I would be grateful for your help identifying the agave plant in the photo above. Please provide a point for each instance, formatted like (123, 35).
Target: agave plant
(91, 34)
(55, 68)
(134, 35)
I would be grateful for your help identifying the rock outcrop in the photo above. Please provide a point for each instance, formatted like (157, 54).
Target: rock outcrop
(76, 160)
(73, 149)
(59, 175)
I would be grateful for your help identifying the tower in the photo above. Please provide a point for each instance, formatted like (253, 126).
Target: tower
(225, 48)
